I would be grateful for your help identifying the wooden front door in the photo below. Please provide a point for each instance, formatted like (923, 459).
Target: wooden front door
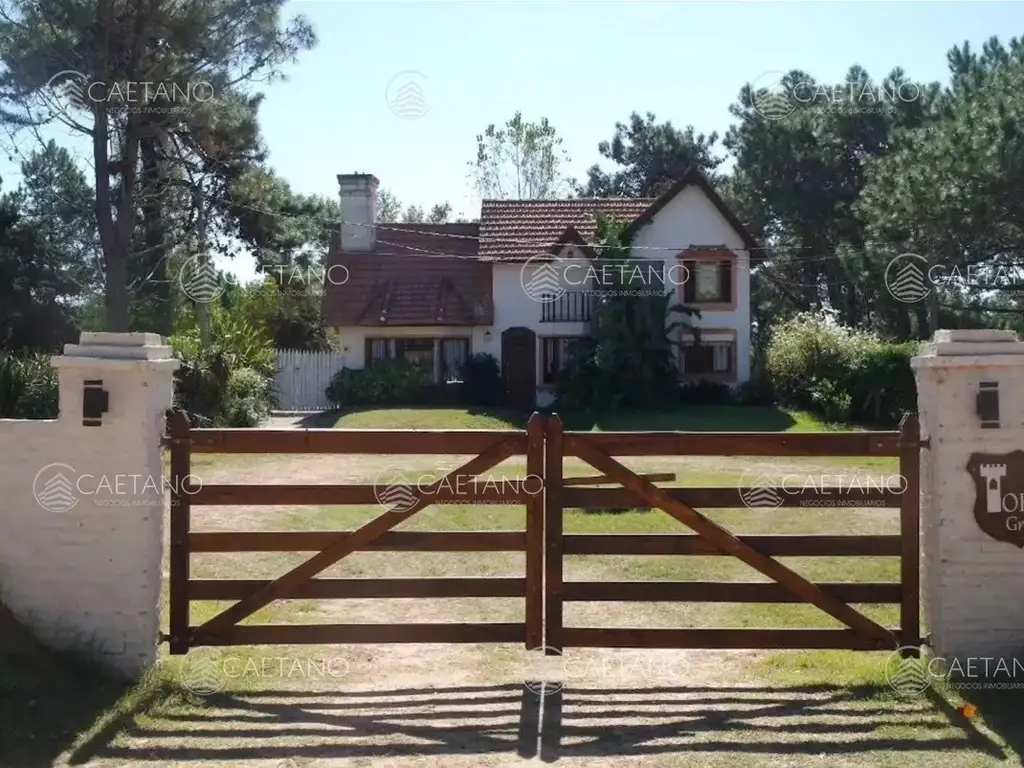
(519, 366)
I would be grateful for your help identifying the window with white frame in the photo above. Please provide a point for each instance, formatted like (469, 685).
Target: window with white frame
(714, 355)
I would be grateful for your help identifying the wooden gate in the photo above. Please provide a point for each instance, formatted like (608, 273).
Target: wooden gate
(545, 446)
(405, 500)
(759, 552)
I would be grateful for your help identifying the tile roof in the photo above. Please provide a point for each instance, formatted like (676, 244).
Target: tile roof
(518, 229)
(406, 279)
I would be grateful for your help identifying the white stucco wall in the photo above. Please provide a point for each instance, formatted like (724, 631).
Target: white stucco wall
(690, 219)
(971, 582)
(81, 507)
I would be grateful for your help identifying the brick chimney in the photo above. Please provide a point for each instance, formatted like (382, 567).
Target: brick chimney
(358, 193)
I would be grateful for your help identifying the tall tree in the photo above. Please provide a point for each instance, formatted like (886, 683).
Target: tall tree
(57, 200)
(650, 156)
(152, 79)
(521, 160)
(951, 192)
(802, 169)
(36, 289)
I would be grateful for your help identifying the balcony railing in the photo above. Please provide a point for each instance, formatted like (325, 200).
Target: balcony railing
(572, 307)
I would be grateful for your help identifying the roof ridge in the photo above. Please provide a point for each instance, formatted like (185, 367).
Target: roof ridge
(564, 200)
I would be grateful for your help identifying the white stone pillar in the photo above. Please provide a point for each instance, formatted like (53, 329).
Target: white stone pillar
(82, 502)
(973, 559)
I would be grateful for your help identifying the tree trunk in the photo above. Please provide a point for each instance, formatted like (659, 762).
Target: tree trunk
(154, 288)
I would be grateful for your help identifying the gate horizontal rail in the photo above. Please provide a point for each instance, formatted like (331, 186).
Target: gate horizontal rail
(786, 586)
(489, 448)
(542, 538)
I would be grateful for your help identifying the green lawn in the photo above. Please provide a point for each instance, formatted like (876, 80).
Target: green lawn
(712, 418)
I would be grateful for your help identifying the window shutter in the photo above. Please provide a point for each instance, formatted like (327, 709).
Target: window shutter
(368, 354)
(690, 286)
(725, 276)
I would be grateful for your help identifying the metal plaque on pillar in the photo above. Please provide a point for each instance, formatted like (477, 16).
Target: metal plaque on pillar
(999, 499)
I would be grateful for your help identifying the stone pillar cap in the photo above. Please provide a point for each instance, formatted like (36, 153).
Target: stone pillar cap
(984, 347)
(148, 347)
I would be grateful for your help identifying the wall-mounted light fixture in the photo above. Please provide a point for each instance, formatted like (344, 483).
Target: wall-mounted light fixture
(487, 335)
(95, 402)
(988, 404)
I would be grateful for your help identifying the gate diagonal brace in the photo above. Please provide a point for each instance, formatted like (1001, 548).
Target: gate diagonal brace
(727, 543)
(348, 542)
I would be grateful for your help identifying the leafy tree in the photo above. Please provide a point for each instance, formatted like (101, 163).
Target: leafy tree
(391, 211)
(521, 160)
(145, 146)
(651, 156)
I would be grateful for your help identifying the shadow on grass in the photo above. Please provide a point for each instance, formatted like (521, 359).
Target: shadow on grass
(48, 700)
(1000, 708)
(686, 723)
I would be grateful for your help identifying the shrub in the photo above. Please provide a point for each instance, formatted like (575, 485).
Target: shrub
(843, 374)
(705, 392)
(757, 391)
(481, 380)
(29, 387)
(248, 399)
(202, 381)
(388, 382)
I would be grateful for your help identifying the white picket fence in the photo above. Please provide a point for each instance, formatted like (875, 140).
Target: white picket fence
(302, 377)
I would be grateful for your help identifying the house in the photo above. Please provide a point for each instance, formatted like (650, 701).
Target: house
(520, 284)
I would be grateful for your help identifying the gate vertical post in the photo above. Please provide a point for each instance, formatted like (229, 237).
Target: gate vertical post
(910, 533)
(535, 533)
(553, 590)
(181, 468)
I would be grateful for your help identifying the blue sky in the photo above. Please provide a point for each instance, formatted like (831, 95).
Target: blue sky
(583, 65)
